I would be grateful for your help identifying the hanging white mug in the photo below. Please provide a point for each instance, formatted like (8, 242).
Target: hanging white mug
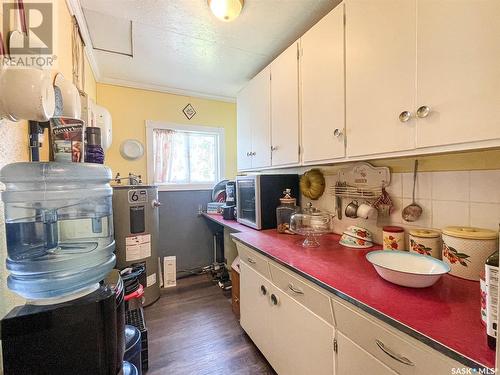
(365, 210)
(69, 96)
(26, 94)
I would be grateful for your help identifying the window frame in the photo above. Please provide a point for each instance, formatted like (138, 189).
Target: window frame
(212, 130)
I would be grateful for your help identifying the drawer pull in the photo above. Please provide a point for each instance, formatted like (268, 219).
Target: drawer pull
(263, 290)
(251, 261)
(295, 290)
(393, 355)
(274, 299)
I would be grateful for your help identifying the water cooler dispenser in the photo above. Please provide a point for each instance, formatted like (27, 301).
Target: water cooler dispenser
(136, 220)
(60, 246)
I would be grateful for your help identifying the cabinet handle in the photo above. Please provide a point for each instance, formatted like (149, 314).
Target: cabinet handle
(338, 133)
(295, 290)
(274, 299)
(236, 299)
(251, 261)
(249, 154)
(423, 111)
(274, 148)
(393, 355)
(405, 116)
(263, 290)
(253, 153)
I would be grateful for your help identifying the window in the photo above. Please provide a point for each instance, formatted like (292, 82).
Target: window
(183, 156)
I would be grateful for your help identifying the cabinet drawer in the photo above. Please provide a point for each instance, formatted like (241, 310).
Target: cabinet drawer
(302, 291)
(395, 349)
(254, 260)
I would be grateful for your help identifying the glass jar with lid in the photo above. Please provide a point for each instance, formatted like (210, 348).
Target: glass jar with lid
(285, 211)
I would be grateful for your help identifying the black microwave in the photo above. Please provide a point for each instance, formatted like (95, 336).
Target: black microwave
(258, 196)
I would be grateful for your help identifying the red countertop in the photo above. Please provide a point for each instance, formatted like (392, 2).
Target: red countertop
(231, 224)
(445, 315)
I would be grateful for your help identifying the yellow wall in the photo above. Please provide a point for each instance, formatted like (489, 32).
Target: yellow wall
(460, 161)
(130, 108)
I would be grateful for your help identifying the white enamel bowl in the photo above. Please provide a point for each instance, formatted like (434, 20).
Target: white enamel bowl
(407, 269)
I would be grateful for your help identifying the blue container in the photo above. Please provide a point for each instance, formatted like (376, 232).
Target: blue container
(59, 226)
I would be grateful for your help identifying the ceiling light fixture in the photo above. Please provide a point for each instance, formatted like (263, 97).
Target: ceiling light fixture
(226, 10)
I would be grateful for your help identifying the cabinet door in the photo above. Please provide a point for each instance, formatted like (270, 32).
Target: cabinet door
(244, 125)
(380, 75)
(322, 82)
(303, 341)
(285, 107)
(458, 75)
(255, 309)
(351, 359)
(261, 119)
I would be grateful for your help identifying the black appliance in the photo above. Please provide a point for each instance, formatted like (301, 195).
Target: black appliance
(74, 337)
(231, 193)
(229, 212)
(229, 209)
(257, 197)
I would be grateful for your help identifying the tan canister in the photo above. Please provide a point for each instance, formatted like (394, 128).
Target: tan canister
(426, 242)
(465, 249)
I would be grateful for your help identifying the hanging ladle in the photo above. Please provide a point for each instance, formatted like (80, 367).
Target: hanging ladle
(413, 211)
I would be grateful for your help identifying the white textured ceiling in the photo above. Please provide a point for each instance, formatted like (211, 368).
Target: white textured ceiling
(179, 46)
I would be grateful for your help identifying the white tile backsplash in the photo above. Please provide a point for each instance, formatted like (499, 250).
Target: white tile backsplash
(395, 216)
(485, 186)
(469, 198)
(485, 215)
(445, 213)
(422, 188)
(395, 189)
(453, 186)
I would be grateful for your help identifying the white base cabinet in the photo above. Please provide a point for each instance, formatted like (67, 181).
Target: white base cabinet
(292, 338)
(301, 329)
(352, 359)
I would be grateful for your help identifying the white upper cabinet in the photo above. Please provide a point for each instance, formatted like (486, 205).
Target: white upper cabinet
(458, 61)
(244, 123)
(322, 82)
(378, 79)
(285, 108)
(261, 116)
(254, 127)
(380, 75)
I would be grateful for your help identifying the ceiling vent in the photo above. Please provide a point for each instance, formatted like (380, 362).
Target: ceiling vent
(109, 34)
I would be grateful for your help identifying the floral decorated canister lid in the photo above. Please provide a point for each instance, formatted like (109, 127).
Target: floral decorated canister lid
(471, 233)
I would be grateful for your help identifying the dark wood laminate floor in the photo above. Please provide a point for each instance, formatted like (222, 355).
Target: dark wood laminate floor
(192, 331)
